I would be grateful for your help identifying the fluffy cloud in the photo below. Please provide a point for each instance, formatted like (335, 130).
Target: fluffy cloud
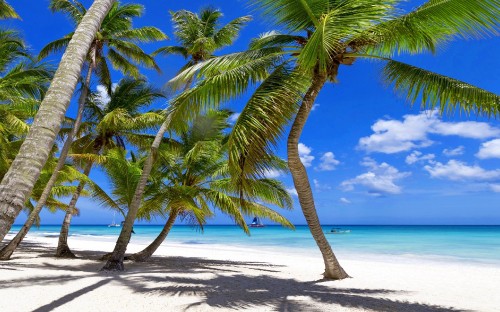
(379, 180)
(103, 97)
(315, 106)
(292, 191)
(394, 136)
(273, 173)
(490, 149)
(454, 152)
(417, 156)
(232, 119)
(459, 171)
(305, 155)
(328, 162)
(344, 200)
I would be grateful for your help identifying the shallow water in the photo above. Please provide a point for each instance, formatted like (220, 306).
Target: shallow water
(450, 243)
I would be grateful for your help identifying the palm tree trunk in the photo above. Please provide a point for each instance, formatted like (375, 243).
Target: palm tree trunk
(115, 262)
(147, 252)
(63, 250)
(9, 249)
(18, 182)
(333, 270)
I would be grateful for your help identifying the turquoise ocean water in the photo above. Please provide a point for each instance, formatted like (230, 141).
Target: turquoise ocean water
(448, 243)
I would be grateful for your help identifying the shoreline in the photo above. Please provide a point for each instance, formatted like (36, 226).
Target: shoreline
(197, 278)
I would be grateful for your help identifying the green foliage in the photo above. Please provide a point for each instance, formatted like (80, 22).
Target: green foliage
(195, 177)
(115, 43)
(200, 35)
(324, 37)
(6, 11)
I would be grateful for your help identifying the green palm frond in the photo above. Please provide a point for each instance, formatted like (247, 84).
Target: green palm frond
(171, 50)
(254, 134)
(142, 34)
(74, 9)
(55, 46)
(437, 90)
(7, 11)
(433, 23)
(228, 33)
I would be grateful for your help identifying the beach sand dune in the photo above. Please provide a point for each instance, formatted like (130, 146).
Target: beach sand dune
(35, 281)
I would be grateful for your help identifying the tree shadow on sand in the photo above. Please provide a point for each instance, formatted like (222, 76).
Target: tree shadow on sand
(219, 284)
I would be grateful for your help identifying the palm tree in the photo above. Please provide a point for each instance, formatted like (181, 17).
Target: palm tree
(110, 125)
(115, 43)
(195, 178)
(18, 182)
(22, 85)
(324, 36)
(195, 46)
(6, 11)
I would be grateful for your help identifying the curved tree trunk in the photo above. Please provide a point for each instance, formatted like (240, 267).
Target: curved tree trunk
(18, 182)
(147, 252)
(63, 250)
(9, 249)
(333, 270)
(115, 262)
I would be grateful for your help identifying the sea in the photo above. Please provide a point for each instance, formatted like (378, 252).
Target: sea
(477, 244)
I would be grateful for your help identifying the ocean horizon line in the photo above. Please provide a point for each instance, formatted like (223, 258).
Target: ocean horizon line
(277, 225)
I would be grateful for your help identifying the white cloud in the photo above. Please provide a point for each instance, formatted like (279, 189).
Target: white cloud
(344, 200)
(292, 191)
(233, 118)
(417, 156)
(459, 171)
(490, 149)
(305, 155)
(394, 136)
(103, 97)
(315, 106)
(495, 188)
(454, 152)
(328, 162)
(273, 173)
(380, 178)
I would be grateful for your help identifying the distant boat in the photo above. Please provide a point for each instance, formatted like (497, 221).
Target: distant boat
(339, 231)
(256, 223)
(114, 224)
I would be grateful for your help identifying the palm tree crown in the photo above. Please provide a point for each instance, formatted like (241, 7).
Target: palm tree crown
(322, 37)
(115, 42)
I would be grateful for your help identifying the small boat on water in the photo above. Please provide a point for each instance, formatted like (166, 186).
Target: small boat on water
(256, 223)
(338, 231)
(114, 224)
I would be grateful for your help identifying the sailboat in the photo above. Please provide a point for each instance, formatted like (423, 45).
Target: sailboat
(114, 224)
(256, 223)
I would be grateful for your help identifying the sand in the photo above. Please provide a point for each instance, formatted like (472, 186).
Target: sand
(224, 278)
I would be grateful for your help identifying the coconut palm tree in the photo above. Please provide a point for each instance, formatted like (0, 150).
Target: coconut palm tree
(322, 37)
(18, 182)
(114, 43)
(6, 11)
(200, 36)
(195, 178)
(110, 125)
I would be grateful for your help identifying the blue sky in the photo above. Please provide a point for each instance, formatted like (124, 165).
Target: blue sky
(372, 159)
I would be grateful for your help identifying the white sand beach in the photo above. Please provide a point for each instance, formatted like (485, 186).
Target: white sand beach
(197, 278)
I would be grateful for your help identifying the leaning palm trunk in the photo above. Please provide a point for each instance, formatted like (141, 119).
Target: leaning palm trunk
(333, 270)
(9, 249)
(115, 262)
(18, 182)
(63, 250)
(147, 252)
